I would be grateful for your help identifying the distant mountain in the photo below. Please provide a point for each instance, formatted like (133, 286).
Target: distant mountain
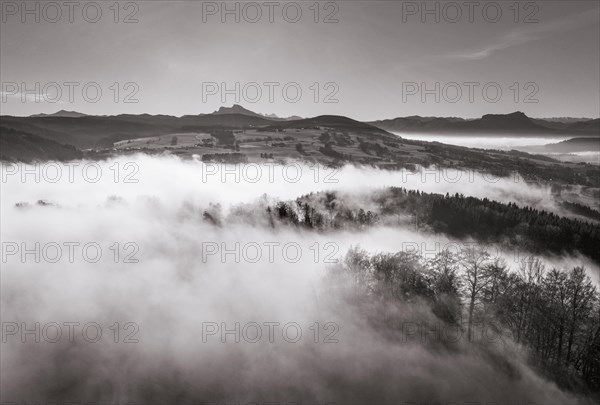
(516, 123)
(238, 109)
(62, 113)
(277, 118)
(591, 126)
(227, 120)
(416, 124)
(575, 145)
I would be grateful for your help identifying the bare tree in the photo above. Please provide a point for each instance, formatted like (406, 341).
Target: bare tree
(582, 295)
(476, 277)
(445, 283)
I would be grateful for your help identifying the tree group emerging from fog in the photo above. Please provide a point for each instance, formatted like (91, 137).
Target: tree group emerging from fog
(529, 229)
(554, 314)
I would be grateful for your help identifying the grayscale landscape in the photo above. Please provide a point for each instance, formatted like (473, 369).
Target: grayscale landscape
(324, 202)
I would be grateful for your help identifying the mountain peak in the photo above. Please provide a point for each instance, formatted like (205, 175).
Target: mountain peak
(236, 109)
(62, 113)
(512, 120)
(517, 115)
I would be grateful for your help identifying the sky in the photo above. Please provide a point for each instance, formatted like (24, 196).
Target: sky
(364, 59)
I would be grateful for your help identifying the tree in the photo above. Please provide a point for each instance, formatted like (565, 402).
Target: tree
(590, 364)
(497, 272)
(445, 283)
(400, 276)
(358, 266)
(286, 213)
(555, 299)
(582, 297)
(476, 277)
(527, 296)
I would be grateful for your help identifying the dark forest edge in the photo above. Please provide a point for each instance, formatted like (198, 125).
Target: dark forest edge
(554, 313)
(486, 221)
(524, 229)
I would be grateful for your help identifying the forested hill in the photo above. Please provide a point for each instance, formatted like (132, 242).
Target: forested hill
(457, 216)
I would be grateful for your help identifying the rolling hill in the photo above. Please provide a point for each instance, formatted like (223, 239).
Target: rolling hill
(515, 124)
(239, 135)
(573, 145)
(21, 146)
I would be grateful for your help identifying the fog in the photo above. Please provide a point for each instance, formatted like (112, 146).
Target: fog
(576, 157)
(171, 281)
(139, 176)
(525, 144)
(485, 142)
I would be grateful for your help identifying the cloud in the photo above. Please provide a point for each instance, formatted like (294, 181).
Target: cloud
(528, 33)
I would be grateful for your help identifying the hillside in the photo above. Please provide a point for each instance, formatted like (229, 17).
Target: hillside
(101, 132)
(515, 124)
(575, 145)
(327, 139)
(21, 146)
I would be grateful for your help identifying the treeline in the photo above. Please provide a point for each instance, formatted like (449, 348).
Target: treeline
(536, 231)
(555, 314)
(308, 215)
(582, 210)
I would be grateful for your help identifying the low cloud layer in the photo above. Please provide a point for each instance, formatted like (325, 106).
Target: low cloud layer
(172, 181)
(181, 287)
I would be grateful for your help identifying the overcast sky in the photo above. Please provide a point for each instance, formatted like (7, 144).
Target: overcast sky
(369, 60)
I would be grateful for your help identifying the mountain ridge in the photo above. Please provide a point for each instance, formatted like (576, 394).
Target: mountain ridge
(61, 113)
(516, 123)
